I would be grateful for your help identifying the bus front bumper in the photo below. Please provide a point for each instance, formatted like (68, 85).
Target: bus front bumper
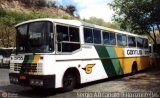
(44, 81)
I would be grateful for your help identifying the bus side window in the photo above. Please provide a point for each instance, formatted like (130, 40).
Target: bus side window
(88, 36)
(62, 33)
(74, 40)
(139, 42)
(68, 38)
(112, 39)
(121, 40)
(131, 41)
(109, 38)
(145, 43)
(106, 38)
(74, 35)
(97, 36)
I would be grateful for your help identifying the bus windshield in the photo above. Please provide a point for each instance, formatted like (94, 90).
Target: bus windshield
(35, 37)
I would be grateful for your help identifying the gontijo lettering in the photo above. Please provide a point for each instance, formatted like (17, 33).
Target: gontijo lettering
(134, 52)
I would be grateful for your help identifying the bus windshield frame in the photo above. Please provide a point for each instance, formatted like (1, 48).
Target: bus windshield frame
(35, 37)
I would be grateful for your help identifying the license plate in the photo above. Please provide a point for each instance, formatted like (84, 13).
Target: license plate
(18, 58)
(22, 77)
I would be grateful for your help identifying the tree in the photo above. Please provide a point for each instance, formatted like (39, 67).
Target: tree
(71, 9)
(137, 16)
(7, 30)
(52, 4)
(40, 3)
(101, 22)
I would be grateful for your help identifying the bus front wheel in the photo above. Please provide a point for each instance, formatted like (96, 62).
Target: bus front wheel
(69, 81)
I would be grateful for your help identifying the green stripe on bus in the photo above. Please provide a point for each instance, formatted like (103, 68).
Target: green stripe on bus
(115, 62)
(28, 58)
(107, 63)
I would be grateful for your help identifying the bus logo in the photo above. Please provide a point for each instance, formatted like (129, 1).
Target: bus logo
(88, 68)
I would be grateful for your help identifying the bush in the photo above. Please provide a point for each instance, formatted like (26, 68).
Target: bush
(36, 3)
(71, 9)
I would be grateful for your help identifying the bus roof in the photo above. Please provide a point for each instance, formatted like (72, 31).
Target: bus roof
(79, 23)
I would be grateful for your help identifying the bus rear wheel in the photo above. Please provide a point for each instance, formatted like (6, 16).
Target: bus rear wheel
(134, 68)
(69, 81)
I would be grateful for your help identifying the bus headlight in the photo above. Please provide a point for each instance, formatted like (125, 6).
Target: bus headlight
(14, 79)
(36, 82)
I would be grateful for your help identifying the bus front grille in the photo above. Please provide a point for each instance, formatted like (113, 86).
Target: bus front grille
(17, 66)
(26, 68)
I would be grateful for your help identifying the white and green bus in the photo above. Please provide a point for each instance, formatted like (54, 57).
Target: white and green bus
(59, 53)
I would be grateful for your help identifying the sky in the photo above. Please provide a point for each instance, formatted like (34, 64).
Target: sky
(91, 8)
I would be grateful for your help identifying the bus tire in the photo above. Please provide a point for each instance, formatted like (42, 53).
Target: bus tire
(69, 81)
(134, 68)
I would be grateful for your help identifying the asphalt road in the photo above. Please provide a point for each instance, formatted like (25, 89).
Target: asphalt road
(145, 84)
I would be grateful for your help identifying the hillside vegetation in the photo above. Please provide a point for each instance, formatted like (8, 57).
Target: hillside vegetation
(15, 11)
